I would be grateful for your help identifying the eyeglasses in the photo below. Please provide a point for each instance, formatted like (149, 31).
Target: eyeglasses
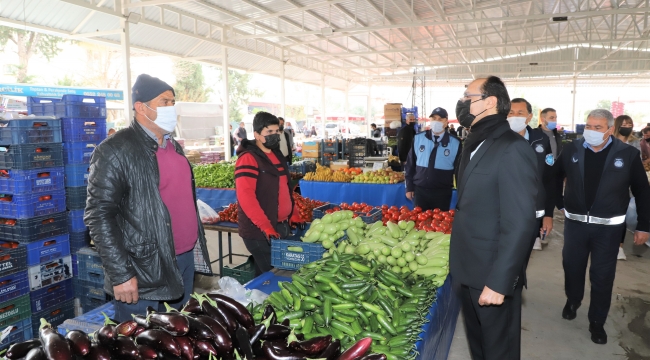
(467, 96)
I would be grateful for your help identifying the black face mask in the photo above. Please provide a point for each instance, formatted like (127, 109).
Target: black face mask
(647, 140)
(282, 128)
(272, 141)
(625, 131)
(410, 124)
(465, 118)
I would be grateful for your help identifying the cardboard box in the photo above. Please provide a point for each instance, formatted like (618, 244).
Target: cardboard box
(393, 111)
(311, 154)
(310, 147)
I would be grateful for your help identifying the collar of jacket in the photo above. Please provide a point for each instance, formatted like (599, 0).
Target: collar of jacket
(534, 135)
(444, 141)
(251, 146)
(147, 141)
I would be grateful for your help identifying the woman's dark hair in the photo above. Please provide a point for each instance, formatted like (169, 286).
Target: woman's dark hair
(263, 119)
(373, 125)
(494, 86)
(521, 100)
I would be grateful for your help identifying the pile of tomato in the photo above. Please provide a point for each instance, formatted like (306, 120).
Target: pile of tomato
(430, 220)
(357, 208)
(229, 214)
(306, 206)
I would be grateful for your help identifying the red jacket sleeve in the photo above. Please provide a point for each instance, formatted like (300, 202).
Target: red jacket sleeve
(246, 173)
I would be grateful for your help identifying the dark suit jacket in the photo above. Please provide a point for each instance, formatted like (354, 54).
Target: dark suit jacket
(495, 214)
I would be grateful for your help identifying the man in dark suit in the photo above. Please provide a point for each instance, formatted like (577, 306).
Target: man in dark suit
(491, 241)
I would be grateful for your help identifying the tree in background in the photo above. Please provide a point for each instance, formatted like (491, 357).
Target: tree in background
(27, 44)
(190, 82)
(240, 93)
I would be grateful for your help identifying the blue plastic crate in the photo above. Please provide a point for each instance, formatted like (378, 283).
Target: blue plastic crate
(45, 107)
(75, 265)
(38, 228)
(78, 152)
(79, 106)
(76, 221)
(54, 315)
(319, 212)
(283, 258)
(21, 331)
(83, 129)
(50, 272)
(52, 295)
(25, 206)
(75, 197)
(32, 181)
(90, 265)
(13, 257)
(303, 167)
(78, 241)
(14, 285)
(90, 303)
(89, 321)
(30, 131)
(45, 250)
(15, 310)
(31, 156)
(91, 289)
(267, 282)
(76, 175)
(330, 146)
(375, 215)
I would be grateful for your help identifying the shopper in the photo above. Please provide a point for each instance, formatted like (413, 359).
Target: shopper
(431, 164)
(645, 145)
(405, 138)
(141, 208)
(240, 134)
(548, 124)
(313, 132)
(623, 126)
(288, 128)
(495, 214)
(599, 171)
(521, 113)
(233, 141)
(286, 143)
(375, 133)
(266, 207)
(452, 130)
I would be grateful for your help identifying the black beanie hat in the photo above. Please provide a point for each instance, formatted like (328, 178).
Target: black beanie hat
(147, 88)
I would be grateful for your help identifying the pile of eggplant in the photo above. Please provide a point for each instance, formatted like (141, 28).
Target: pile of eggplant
(209, 326)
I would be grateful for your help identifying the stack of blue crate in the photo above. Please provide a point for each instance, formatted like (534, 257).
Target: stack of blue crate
(34, 246)
(89, 285)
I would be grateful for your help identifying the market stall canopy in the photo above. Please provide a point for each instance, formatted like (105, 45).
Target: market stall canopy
(340, 118)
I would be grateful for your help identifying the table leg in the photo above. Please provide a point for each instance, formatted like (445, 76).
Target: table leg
(221, 253)
(230, 246)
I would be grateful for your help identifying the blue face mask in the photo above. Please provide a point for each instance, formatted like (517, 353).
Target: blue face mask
(551, 125)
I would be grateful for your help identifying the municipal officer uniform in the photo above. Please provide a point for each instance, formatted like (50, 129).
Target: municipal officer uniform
(430, 169)
(545, 160)
(595, 201)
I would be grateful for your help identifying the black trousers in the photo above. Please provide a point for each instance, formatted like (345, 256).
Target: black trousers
(493, 332)
(602, 243)
(429, 199)
(261, 249)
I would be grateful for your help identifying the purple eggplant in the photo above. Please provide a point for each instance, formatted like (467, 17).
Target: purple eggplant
(312, 346)
(174, 323)
(244, 342)
(204, 348)
(278, 344)
(273, 354)
(222, 339)
(187, 348)
(147, 352)
(124, 348)
(269, 312)
(221, 315)
(160, 341)
(55, 345)
(19, 350)
(150, 310)
(98, 352)
(255, 333)
(141, 320)
(106, 335)
(79, 342)
(199, 330)
(138, 330)
(126, 328)
(332, 352)
(374, 357)
(276, 331)
(285, 322)
(36, 353)
(192, 306)
(242, 314)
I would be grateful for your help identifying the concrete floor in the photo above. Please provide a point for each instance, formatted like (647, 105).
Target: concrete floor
(545, 335)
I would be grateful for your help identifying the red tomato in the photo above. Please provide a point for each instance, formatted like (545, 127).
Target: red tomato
(452, 212)
(413, 218)
(344, 204)
(436, 211)
(363, 204)
(429, 212)
(417, 209)
(404, 211)
(444, 213)
(394, 208)
(368, 214)
(438, 217)
(422, 217)
(394, 217)
(336, 208)
(384, 207)
(448, 231)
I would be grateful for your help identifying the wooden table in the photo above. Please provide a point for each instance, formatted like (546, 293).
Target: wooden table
(220, 228)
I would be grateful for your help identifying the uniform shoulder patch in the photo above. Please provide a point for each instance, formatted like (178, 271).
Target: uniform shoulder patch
(421, 148)
(549, 160)
(447, 152)
(539, 148)
(618, 162)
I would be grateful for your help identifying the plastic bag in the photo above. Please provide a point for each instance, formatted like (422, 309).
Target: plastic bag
(232, 288)
(208, 215)
(630, 217)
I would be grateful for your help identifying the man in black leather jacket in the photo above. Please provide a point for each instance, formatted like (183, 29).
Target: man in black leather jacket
(141, 209)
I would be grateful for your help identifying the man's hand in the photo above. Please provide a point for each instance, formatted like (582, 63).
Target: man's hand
(409, 195)
(271, 234)
(640, 237)
(127, 292)
(489, 297)
(547, 226)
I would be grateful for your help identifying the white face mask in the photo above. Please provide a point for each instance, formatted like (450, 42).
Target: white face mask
(437, 127)
(593, 137)
(166, 118)
(517, 123)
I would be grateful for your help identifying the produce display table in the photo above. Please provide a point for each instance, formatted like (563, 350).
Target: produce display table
(436, 335)
(229, 228)
(216, 198)
(371, 194)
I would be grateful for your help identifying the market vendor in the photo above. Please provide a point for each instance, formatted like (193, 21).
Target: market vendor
(141, 209)
(520, 115)
(431, 165)
(266, 207)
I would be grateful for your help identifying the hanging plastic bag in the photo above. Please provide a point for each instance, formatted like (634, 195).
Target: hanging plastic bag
(630, 217)
(208, 215)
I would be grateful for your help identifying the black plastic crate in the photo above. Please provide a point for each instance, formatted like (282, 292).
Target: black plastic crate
(13, 257)
(78, 241)
(30, 131)
(90, 294)
(38, 228)
(357, 161)
(54, 315)
(75, 197)
(27, 157)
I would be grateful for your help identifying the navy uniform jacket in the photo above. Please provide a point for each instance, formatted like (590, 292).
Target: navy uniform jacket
(432, 165)
(541, 144)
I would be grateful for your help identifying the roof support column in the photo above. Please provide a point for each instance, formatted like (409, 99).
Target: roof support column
(347, 107)
(573, 106)
(225, 97)
(125, 47)
(369, 107)
(322, 103)
(282, 91)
